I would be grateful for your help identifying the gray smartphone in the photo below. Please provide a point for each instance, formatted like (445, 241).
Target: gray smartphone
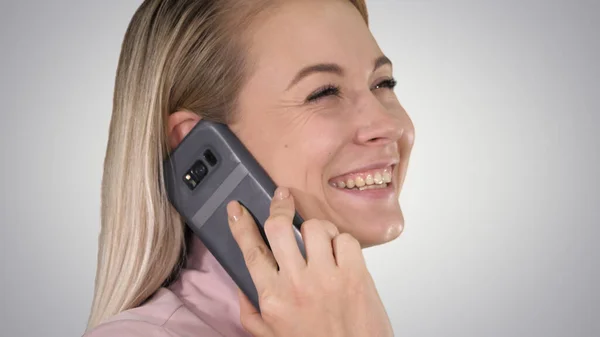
(209, 168)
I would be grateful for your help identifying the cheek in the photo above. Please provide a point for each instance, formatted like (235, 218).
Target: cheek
(302, 158)
(295, 147)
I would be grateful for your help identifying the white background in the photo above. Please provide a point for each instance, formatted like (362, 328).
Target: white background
(501, 201)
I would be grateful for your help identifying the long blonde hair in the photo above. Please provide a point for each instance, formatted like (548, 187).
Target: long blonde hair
(176, 55)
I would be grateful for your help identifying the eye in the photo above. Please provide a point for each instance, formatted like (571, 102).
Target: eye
(389, 84)
(328, 90)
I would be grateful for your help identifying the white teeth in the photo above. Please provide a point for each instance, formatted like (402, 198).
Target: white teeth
(378, 179)
(360, 182)
(373, 187)
(350, 183)
(387, 177)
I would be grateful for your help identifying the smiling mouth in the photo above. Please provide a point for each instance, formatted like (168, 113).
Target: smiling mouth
(362, 181)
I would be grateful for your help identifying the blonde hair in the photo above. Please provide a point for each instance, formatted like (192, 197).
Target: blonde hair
(176, 55)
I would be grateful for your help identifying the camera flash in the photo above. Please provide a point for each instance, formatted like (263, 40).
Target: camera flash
(188, 177)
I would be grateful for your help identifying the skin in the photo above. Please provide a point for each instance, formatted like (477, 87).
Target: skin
(302, 145)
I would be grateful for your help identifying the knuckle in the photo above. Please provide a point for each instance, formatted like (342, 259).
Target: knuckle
(254, 254)
(267, 300)
(331, 227)
(278, 206)
(312, 225)
(271, 308)
(315, 226)
(275, 221)
(347, 241)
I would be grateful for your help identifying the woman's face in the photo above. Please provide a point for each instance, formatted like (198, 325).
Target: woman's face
(319, 114)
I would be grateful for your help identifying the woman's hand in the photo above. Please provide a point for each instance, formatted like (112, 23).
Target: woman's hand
(330, 294)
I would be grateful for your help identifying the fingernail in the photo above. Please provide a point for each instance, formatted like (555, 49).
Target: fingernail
(282, 193)
(234, 209)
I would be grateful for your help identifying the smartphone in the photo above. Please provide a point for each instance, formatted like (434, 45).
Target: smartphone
(209, 168)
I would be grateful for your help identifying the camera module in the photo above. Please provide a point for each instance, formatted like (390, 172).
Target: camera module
(195, 174)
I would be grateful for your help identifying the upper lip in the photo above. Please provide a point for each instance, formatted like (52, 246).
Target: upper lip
(374, 165)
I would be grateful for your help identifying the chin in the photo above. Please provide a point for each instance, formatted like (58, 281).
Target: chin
(371, 218)
(375, 233)
(373, 223)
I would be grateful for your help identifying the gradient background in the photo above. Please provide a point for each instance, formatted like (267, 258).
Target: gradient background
(501, 200)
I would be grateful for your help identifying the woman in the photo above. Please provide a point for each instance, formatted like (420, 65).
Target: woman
(306, 88)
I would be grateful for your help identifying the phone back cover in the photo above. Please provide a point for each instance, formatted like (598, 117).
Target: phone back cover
(236, 176)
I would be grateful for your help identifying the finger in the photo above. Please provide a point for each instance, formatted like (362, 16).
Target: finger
(348, 252)
(317, 236)
(259, 260)
(280, 233)
(251, 319)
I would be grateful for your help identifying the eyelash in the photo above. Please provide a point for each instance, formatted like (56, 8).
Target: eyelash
(331, 89)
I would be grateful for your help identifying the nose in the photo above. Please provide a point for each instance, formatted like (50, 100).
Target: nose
(380, 123)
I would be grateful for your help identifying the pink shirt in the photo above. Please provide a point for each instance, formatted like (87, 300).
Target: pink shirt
(203, 302)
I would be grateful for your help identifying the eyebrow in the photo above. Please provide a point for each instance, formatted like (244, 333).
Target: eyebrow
(333, 68)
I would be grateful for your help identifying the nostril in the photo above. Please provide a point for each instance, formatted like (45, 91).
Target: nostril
(378, 140)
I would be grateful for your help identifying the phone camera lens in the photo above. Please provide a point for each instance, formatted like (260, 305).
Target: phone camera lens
(195, 174)
(211, 159)
(199, 170)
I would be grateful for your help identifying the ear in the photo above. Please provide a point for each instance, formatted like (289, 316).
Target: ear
(179, 124)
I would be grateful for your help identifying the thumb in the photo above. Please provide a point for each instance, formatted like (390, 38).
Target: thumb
(251, 319)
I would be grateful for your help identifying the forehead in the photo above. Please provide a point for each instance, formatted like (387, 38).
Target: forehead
(305, 32)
